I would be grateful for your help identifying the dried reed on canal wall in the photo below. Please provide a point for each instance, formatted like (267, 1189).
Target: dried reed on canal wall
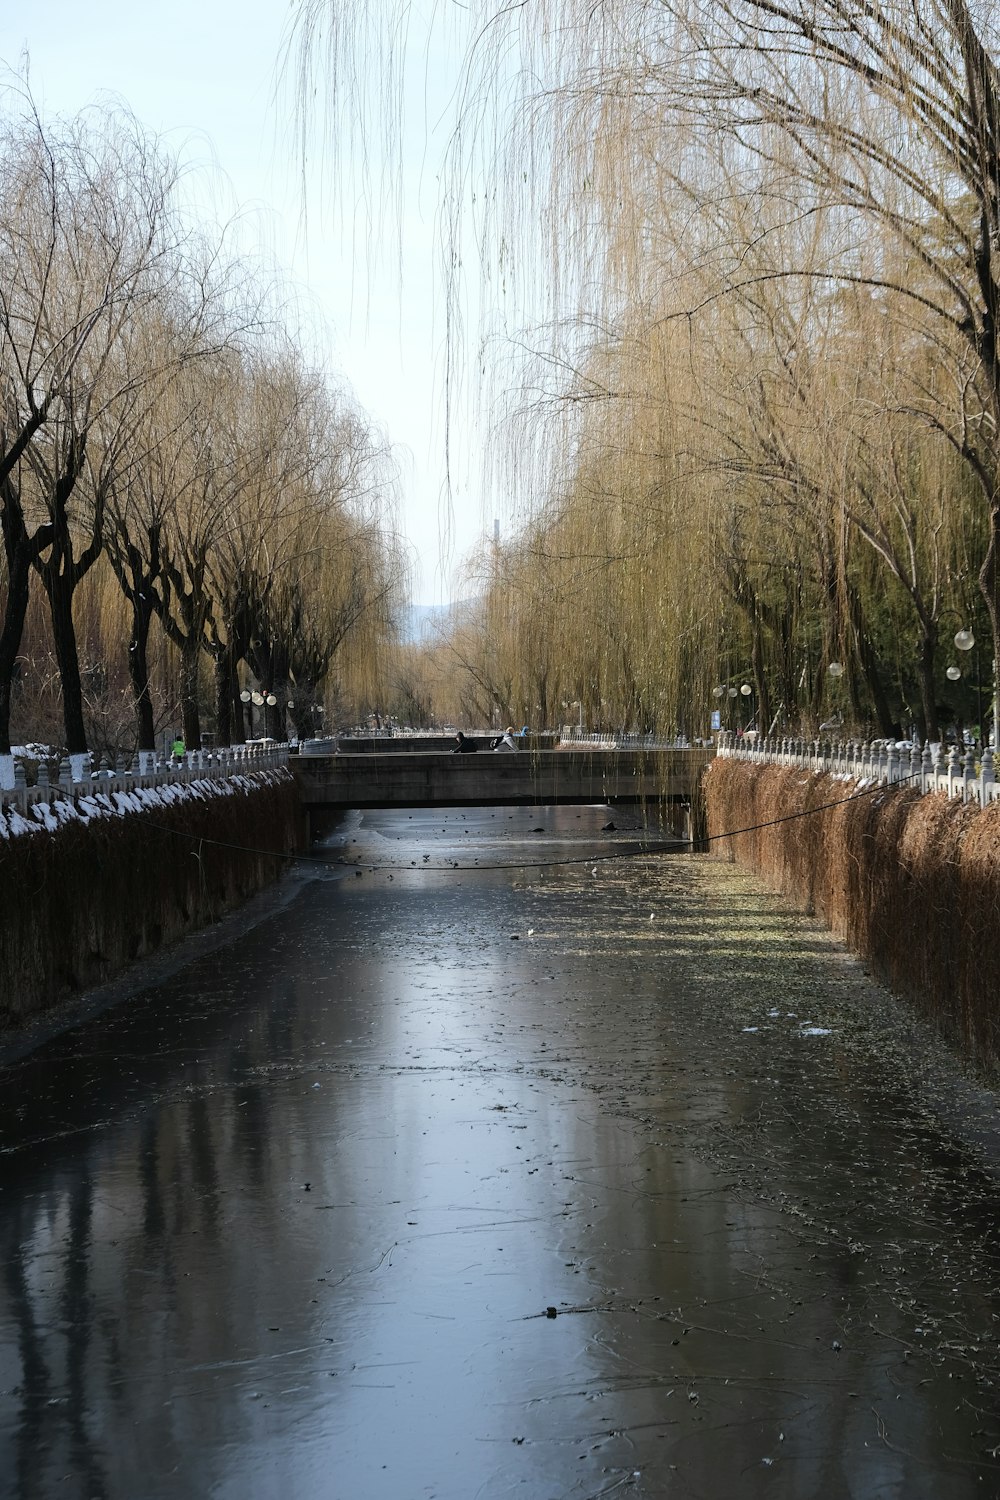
(80, 903)
(911, 883)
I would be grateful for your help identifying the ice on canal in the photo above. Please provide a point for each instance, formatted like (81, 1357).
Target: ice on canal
(457, 1170)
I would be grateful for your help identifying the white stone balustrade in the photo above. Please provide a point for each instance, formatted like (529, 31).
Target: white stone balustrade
(952, 770)
(608, 741)
(197, 765)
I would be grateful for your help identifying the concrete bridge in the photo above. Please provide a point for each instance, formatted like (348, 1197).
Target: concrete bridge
(333, 783)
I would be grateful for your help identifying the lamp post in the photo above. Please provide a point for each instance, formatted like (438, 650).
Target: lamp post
(250, 699)
(256, 700)
(723, 690)
(964, 641)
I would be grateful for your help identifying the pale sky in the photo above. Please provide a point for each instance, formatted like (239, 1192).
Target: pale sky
(206, 75)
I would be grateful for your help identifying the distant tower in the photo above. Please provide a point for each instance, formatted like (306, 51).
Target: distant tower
(496, 531)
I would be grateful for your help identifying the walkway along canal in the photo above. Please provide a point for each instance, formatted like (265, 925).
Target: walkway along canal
(489, 1163)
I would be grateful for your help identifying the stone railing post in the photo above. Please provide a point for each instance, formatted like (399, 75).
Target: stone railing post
(939, 769)
(968, 776)
(987, 778)
(926, 768)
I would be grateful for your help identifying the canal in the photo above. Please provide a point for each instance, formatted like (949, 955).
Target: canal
(489, 1157)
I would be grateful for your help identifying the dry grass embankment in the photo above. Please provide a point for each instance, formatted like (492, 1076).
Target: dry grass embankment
(911, 883)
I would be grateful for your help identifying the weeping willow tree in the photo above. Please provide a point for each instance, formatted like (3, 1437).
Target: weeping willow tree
(754, 246)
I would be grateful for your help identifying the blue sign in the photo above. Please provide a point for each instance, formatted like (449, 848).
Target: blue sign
(716, 718)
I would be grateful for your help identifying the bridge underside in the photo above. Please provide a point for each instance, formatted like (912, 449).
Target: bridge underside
(499, 779)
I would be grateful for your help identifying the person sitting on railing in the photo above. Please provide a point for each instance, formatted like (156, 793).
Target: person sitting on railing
(505, 741)
(464, 746)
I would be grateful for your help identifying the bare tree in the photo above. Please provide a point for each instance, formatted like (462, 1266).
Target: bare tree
(869, 132)
(87, 246)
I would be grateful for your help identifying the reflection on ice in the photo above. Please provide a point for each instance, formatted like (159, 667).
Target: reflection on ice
(295, 1221)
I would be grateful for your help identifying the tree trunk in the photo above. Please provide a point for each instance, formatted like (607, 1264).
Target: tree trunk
(60, 573)
(763, 714)
(989, 583)
(275, 718)
(59, 579)
(223, 697)
(138, 671)
(238, 728)
(227, 651)
(190, 662)
(870, 667)
(187, 633)
(21, 551)
(137, 577)
(930, 729)
(11, 632)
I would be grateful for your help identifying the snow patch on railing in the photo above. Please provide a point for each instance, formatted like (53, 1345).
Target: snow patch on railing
(116, 801)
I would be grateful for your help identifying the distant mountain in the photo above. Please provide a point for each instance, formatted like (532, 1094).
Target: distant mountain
(421, 623)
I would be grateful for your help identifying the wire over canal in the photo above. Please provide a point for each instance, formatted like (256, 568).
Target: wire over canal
(677, 846)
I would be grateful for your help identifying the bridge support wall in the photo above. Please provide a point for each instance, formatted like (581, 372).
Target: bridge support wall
(542, 778)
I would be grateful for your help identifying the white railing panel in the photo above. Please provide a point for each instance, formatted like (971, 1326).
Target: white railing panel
(954, 772)
(216, 765)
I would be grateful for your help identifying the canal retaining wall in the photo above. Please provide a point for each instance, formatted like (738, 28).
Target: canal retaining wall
(90, 883)
(910, 882)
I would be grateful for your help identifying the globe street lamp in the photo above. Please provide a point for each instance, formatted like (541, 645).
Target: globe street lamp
(746, 690)
(250, 699)
(964, 641)
(256, 700)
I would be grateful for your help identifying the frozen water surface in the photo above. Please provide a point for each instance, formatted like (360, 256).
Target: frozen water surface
(475, 1183)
